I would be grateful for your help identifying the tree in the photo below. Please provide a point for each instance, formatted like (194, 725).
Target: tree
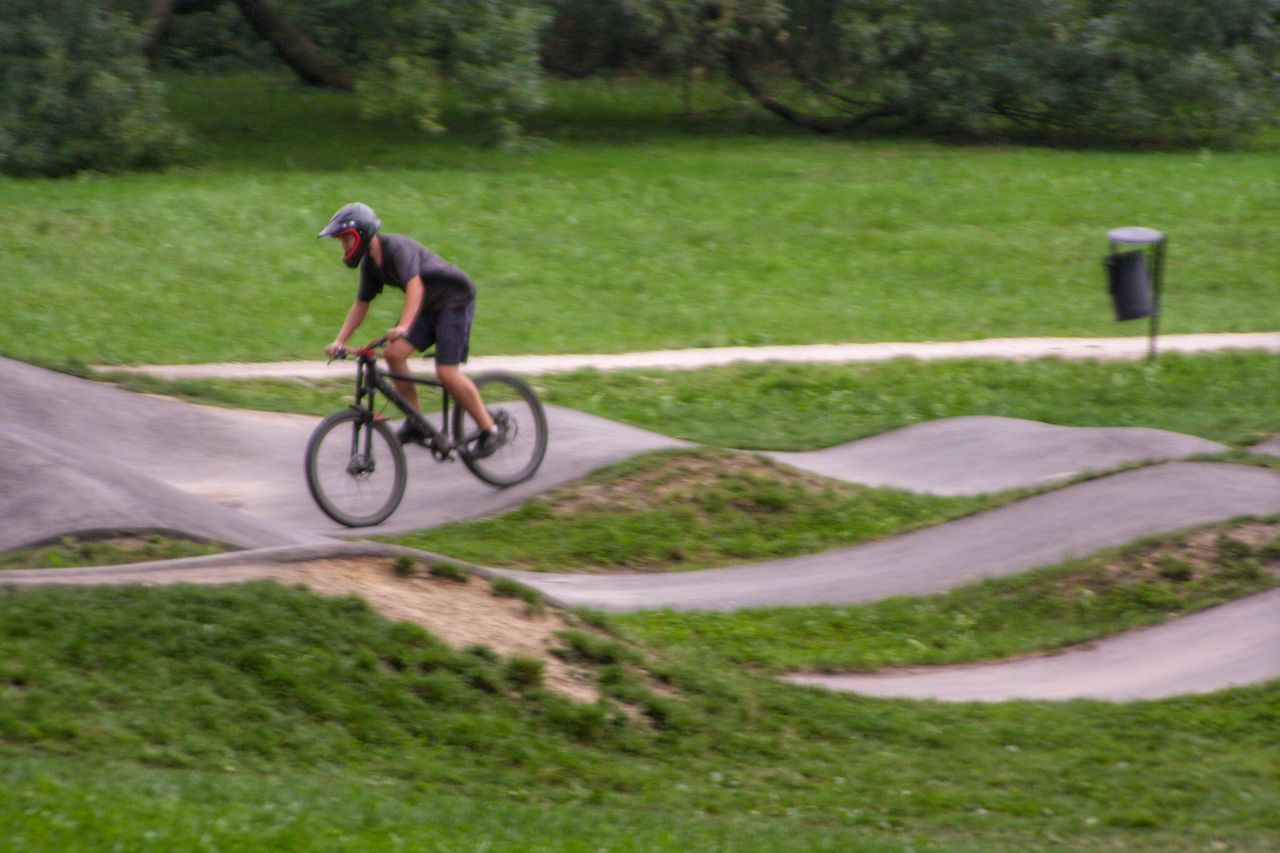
(75, 92)
(589, 36)
(309, 61)
(400, 54)
(1121, 70)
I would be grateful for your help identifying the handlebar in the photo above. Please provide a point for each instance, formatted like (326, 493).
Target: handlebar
(367, 351)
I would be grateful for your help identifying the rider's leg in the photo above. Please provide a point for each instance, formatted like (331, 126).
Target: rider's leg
(462, 389)
(397, 355)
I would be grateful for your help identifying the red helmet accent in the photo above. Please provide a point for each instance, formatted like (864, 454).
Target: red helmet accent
(354, 252)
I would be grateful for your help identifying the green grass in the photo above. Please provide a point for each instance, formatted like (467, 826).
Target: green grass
(73, 552)
(1225, 397)
(53, 803)
(258, 716)
(686, 510)
(619, 240)
(1038, 611)
(262, 716)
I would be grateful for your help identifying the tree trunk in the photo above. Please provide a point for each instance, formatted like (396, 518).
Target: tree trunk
(157, 25)
(300, 53)
(736, 67)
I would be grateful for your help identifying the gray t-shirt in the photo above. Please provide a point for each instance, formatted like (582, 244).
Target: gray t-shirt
(444, 285)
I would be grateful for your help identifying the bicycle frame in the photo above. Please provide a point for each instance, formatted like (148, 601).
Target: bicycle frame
(370, 380)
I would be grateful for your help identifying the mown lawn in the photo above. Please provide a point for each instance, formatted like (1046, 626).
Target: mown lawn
(74, 551)
(649, 231)
(256, 716)
(260, 716)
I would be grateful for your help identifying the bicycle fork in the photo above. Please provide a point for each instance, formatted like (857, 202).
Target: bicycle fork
(361, 461)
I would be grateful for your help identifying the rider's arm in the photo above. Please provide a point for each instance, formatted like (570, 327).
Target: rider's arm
(355, 316)
(413, 295)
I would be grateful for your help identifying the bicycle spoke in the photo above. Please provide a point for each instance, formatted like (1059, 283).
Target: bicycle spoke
(355, 469)
(522, 431)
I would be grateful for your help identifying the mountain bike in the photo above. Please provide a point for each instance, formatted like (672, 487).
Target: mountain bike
(355, 462)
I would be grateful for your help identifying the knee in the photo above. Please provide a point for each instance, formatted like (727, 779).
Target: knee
(448, 373)
(397, 356)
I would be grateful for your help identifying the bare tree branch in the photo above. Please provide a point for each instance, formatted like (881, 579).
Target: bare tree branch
(738, 72)
(308, 60)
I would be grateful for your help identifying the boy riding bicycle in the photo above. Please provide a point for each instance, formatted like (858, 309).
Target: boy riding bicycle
(439, 305)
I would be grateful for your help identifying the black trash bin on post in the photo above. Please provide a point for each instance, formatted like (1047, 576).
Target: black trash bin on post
(1135, 275)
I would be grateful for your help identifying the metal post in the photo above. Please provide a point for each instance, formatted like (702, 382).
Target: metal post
(1153, 243)
(1157, 282)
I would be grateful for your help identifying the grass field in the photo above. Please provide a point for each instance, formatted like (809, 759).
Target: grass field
(74, 551)
(642, 230)
(258, 716)
(261, 716)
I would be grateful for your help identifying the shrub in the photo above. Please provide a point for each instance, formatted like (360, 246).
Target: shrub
(490, 55)
(523, 673)
(450, 572)
(75, 93)
(1247, 569)
(585, 648)
(507, 588)
(1174, 569)
(584, 722)
(1230, 549)
(404, 566)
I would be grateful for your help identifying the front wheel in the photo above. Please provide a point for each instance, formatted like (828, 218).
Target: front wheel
(355, 468)
(522, 425)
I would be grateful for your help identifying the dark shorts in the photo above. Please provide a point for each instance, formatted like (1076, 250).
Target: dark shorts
(448, 330)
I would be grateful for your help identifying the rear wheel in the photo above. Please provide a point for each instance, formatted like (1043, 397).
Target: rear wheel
(522, 425)
(355, 468)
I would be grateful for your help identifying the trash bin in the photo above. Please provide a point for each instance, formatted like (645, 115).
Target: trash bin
(1135, 274)
(1129, 284)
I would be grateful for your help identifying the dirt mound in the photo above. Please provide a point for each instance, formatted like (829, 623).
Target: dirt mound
(462, 613)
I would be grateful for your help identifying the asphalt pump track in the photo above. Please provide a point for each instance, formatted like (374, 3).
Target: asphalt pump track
(82, 457)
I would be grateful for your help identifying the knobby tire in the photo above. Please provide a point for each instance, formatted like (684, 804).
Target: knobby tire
(518, 460)
(353, 498)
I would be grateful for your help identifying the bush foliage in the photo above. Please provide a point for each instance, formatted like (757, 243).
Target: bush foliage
(75, 93)
(1175, 71)
(1129, 71)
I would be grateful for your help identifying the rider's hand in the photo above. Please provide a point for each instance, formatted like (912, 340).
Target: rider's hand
(395, 333)
(334, 349)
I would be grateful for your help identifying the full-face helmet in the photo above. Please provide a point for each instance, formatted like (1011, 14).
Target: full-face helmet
(356, 219)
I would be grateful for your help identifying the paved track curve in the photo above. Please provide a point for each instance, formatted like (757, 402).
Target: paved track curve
(249, 462)
(977, 455)
(53, 488)
(1040, 531)
(1229, 646)
(78, 456)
